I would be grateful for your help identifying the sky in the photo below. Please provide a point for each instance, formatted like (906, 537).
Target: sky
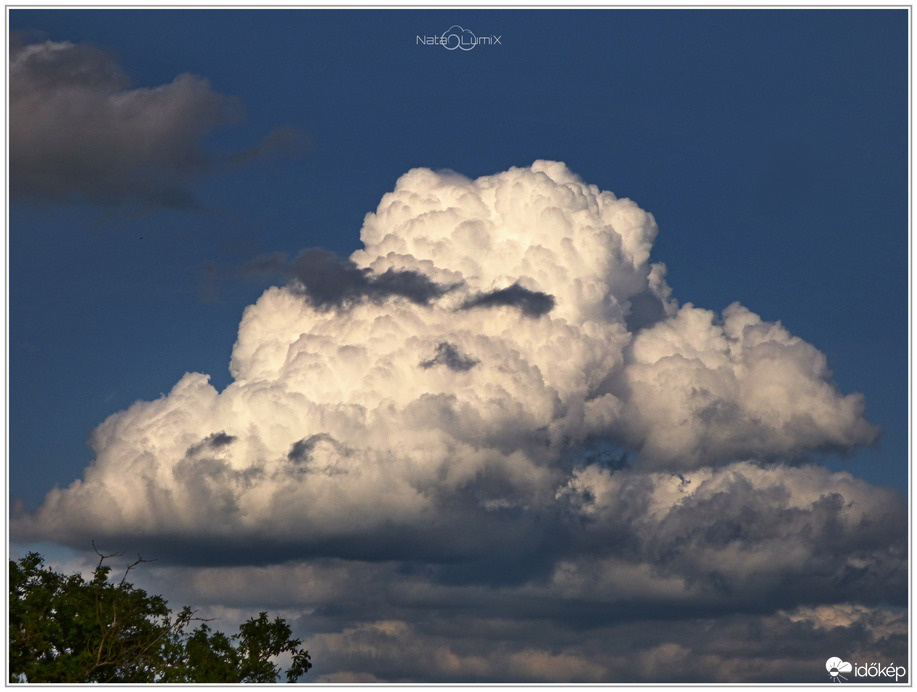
(575, 354)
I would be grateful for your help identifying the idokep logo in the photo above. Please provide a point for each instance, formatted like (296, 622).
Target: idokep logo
(836, 667)
(458, 38)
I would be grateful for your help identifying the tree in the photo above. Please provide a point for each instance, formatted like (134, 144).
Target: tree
(66, 629)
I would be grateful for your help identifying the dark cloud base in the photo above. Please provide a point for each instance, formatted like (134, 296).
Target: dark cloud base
(398, 625)
(679, 651)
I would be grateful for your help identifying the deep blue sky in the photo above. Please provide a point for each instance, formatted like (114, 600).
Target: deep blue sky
(771, 146)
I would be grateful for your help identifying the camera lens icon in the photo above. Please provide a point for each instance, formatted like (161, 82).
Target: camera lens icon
(457, 37)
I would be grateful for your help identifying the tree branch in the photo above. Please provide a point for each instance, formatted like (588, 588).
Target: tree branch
(103, 557)
(131, 566)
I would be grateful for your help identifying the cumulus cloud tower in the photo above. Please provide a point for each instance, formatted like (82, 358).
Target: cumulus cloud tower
(491, 328)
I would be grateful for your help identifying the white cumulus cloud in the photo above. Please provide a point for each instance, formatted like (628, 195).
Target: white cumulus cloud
(491, 446)
(704, 389)
(450, 375)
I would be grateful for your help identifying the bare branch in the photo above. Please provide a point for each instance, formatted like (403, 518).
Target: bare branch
(138, 561)
(103, 557)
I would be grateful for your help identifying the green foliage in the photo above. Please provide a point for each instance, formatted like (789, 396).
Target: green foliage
(66, 629)
(214, 658)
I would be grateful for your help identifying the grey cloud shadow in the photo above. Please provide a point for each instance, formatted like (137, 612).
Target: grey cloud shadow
(450, 356)
(329, 282)
(529, 303)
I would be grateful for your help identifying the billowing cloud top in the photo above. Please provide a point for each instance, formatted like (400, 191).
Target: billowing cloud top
(477, 370)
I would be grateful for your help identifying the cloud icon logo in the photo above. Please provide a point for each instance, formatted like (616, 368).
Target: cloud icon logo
(835, 666)
(457, 37)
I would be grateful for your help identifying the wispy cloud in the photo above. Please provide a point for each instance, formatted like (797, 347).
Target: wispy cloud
(286, 140)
